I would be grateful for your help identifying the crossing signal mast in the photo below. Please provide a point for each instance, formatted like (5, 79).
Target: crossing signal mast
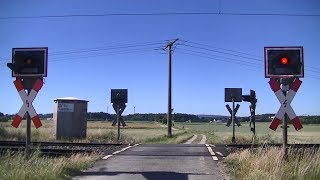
(119, 98)
(28, 66)
(284, 66)
(253, 100)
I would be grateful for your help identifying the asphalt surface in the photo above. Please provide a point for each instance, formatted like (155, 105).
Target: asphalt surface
(163, 162)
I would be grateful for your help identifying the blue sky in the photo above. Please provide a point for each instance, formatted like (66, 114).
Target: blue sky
(88, 56)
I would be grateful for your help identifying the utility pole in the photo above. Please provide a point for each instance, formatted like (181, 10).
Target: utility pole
(134, 109)
(169, 115)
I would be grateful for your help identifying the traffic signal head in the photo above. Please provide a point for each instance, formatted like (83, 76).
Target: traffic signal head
(250, 98)
(28, 62)
(283, 62)
(119, 96)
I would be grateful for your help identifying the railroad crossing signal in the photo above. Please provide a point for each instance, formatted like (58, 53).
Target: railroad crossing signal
(235, 118)
(233, 95)
(282, 62)
(119, 98)
(253, 100)
(285, 101)
(27, 103)
(29, 62)
(250, 98)
(119, 109)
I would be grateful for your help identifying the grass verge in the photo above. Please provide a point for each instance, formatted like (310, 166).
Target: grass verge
(218, 138)
(177, 138)
(18, 166)
(268, 164)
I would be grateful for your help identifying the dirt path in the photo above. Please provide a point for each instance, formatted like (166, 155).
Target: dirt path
(203, 140)
(194, 137)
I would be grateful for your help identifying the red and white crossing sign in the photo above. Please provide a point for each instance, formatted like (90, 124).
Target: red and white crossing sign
(285, 101)
(27, 103)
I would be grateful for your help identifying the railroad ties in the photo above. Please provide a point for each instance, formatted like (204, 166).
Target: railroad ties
(60, 148)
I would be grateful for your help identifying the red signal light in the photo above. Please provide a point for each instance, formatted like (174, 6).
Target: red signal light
(28, 61)
(284, 60)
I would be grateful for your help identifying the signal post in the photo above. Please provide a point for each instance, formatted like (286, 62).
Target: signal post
(253, 100)
(233, 95)
(284, 66)
(119, 98)
(29, 66)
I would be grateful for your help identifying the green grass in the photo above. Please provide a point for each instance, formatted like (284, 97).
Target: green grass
(175, 139)
(18, 166)
(220, 134)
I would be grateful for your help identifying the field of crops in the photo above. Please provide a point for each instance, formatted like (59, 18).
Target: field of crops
(308, 134)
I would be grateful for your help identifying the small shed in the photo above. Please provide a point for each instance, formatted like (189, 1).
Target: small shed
(70, 117)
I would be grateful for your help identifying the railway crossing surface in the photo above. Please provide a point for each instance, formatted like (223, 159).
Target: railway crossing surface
(160, 161)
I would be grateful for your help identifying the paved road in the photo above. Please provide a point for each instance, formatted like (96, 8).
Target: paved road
(163, 162)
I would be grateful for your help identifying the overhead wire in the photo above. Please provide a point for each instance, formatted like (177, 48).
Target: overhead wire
(208, 56)
(159, 14)
(226, 59)
(221, 52)
(236, 53)
(112, 47)
(102, 54)
(99, 51)
(224, 49)
(223, 58)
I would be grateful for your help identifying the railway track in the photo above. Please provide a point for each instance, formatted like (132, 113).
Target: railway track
(59, 148)
(296, 146)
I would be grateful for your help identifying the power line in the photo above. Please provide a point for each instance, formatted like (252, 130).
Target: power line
(255, 66)
(159, 14)
(223, 57)
(241, 54)
(124, 46)
(101, 54)
(215, 59)
(210, 46)
(84, 51)
(217, 51)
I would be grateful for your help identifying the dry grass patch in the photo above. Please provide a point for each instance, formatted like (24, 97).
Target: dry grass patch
(268, 164)
(18, 166)
(130, 125)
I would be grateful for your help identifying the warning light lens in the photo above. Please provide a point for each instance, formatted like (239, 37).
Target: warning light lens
(284, 61)
(28, 61)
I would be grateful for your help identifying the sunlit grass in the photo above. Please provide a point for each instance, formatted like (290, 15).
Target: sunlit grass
(221, 134)
(177, 138)
(268, 164)
(18, 166)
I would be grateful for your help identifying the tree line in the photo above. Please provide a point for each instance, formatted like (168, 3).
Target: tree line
(177, 117)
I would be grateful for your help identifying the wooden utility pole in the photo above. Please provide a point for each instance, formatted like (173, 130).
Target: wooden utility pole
(169, 115)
